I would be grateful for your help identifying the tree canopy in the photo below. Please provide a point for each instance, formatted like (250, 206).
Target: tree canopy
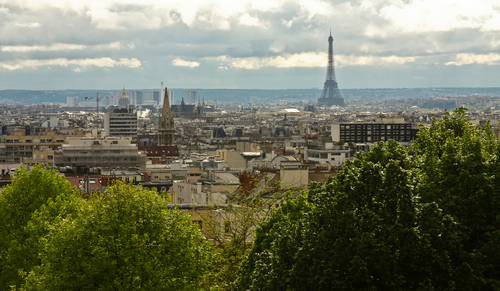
(126, 239)
(30, 192)
(422, 218)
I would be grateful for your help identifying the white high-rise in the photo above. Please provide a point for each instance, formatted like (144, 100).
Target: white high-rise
(162, 93)
(171, 97)
(72, 101)
(192, 97)
(121, 122)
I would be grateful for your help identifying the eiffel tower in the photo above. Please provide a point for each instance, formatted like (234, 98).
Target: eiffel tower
(331, 94)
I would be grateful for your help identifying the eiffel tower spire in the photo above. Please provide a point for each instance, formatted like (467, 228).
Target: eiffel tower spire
(331, 94)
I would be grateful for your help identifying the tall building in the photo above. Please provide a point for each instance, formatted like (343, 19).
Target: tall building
(192, 97)
(166, 129)
(72, 101)
(156, 97)
(161, 91)
(120, 122)
(254, 99)
(331, 94)
(147, 96)
(123, 102)
(139, 98)
(132, 97)
(171, 97)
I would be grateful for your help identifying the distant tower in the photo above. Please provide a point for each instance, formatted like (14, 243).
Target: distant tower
(166, 129)
(171, 97)
(192, 97)
(331, 94)
(123, 102)
(161, 91)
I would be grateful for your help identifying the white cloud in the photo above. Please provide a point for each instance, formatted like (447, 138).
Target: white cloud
(130, 63)
(310, 60)
(105, 19)
(30, 24)
(201, 14)
(250, 21)
(467, 59)
(63, 47)
(182, 63)
(54, 47)
(108, 46)
(62, 62)
(444, 15)
(414, 16)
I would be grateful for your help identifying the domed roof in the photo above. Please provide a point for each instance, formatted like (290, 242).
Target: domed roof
(124, 95)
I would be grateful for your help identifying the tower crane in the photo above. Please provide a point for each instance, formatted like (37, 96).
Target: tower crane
(97, 98)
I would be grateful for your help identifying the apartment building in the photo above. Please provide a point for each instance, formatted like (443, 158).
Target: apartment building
(373, 132)
(18, 146)
(121, 122)
(106, 152)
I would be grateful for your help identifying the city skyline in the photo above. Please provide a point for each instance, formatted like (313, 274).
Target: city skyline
(247, 44)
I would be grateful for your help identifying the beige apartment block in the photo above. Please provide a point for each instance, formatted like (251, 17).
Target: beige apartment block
(41, 157)
(16, 147)
(160, 175)
(234, 159)
(294, 175)
(106, 152)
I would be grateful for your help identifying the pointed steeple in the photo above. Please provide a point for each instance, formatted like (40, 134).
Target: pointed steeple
(166, 129)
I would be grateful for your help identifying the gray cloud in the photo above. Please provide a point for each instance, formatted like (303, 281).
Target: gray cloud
(253, 39)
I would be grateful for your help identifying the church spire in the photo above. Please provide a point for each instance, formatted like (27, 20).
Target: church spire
(166, 129)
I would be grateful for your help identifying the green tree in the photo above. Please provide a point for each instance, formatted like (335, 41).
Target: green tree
(278, 239)
(460, 171)
(31, 191)
(127, 239)
(394, 219)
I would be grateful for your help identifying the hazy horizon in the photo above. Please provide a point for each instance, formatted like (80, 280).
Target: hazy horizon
(277, 89)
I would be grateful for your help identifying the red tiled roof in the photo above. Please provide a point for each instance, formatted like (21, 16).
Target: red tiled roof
(75, 181)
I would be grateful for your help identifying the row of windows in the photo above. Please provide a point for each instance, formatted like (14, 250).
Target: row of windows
(375, 126)
(91, 159)
(375, 132)
(35, 140)
(374, 138)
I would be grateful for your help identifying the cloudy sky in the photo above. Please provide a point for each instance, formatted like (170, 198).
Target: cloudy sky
(58, 44)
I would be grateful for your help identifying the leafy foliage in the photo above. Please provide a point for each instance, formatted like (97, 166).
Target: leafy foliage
(394, 219)
(125, 240)
(277, 241)
(31, 191)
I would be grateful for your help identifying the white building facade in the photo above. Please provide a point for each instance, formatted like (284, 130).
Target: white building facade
(121, 122)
